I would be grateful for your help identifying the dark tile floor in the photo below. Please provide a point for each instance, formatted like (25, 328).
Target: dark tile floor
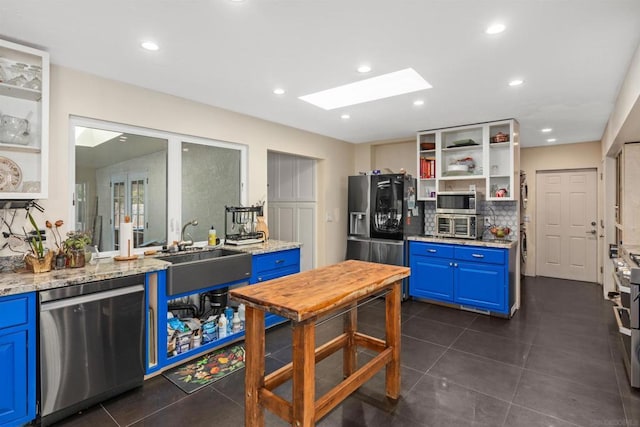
(555, 363)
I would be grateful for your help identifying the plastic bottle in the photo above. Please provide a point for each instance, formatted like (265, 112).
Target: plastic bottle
(212, 236)
(241, 311)
(236, 324)
(228, 312)
(222, 326)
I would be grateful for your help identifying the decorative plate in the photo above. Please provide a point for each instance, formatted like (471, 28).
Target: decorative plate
(10, 175)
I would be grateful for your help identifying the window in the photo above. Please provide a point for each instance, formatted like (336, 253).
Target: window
(122, 170)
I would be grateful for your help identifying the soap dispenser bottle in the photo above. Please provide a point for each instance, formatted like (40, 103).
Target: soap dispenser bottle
(212, 236)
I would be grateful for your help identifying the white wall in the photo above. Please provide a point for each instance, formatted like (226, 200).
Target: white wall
(77, 93)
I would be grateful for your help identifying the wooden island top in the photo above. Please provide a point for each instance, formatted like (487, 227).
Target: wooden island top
(316, 292)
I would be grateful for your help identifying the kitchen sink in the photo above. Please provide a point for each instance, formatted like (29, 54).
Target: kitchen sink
(196, 270)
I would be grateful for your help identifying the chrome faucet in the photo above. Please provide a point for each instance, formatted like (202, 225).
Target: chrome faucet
(184, 243)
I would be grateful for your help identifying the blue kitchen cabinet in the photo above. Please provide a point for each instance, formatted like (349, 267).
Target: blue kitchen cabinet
(469, 276)
(482, 275)
(271, 266)
(264, 267)
(17, 359)
(431, 271)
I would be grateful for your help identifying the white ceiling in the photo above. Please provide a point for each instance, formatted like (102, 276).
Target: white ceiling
(572, 54)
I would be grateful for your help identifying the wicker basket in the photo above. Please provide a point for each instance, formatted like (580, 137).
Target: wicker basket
(39, 265)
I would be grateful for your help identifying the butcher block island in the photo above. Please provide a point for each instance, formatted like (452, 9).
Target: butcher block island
(304, 298)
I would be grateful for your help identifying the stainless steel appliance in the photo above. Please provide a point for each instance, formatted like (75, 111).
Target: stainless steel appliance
(459, 226)
(627, 312)
(382, 211)
(458, 202)
(91, 344)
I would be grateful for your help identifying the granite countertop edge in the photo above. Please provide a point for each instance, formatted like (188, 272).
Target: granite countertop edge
(22, 281)
(466, 242)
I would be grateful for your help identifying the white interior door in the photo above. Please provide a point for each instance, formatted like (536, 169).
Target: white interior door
(566, 219)
(292, 203)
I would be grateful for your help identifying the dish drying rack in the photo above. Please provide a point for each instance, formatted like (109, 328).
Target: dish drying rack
(240, 225)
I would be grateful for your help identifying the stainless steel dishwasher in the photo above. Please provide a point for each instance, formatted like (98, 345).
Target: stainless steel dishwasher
(91, 344)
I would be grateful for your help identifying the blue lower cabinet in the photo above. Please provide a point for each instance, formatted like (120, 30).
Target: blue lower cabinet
(264, 267)
(431, 278)
(17, 359)
(470, 276)
(480, 286)
(271, 266)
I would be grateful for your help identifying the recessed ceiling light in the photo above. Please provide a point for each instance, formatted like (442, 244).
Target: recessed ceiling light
(418, 102)
(278, 91)
(148, 45)
(516, 82)
(551, 140)
(495, 29)
(364, 69)
(345, 116)
(384, 86)
(546, 130)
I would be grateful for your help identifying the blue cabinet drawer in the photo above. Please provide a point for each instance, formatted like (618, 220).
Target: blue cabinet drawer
(478, 254)
(276, 260)
(14, 311)
(431, 249)
(274, 274)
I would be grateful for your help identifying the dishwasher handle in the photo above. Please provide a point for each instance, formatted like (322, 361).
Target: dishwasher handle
(84, 299)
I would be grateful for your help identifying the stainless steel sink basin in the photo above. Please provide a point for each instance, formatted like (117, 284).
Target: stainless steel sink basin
(196, 270)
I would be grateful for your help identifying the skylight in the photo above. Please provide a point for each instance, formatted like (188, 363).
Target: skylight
(87, 137)
(384, 86)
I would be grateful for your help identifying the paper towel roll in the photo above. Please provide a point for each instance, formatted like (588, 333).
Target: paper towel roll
(126, 239)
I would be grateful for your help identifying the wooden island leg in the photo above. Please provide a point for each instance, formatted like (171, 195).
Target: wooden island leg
(304, 373)
(349, 355)
(392, 326)
(254, 359)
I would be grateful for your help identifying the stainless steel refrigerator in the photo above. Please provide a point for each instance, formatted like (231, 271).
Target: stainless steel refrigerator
(382, 211)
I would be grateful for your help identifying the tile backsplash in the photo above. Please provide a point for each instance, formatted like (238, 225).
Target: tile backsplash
(502, 213)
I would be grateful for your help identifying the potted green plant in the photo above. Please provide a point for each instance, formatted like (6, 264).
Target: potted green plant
(74, 247)
(38, 259)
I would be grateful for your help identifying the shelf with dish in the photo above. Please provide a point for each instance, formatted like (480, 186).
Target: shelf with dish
(20, 92)
(483, 155)
(24, 123)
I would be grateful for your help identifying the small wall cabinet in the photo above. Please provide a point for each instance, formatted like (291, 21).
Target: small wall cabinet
(24, 126)
(469, 276)
(18, 359)
(485, 155)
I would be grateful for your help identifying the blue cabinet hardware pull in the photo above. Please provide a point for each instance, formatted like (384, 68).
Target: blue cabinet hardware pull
(433, 251)
(279, 261)
(477, 255)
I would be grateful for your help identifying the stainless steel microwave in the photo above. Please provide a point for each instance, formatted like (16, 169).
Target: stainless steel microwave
(462, 202)
(460, 226)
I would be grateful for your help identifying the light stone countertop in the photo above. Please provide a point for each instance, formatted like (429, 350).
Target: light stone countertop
(266, 247)
(504, 244)
(21, 280)
(105, 268)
